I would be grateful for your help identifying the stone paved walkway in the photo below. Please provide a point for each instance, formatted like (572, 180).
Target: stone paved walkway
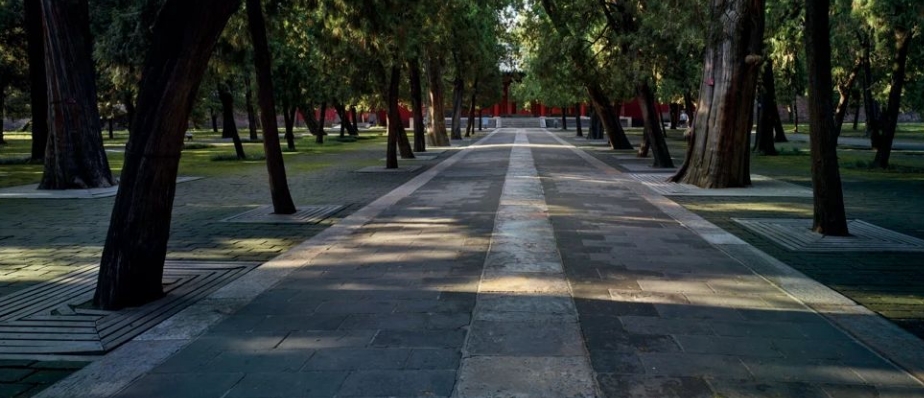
(514, 269)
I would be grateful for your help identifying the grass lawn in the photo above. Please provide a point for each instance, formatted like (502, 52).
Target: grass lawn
(207, 155)
(904, 131)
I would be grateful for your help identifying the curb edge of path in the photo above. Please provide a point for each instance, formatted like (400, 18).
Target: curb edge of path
(882, 337)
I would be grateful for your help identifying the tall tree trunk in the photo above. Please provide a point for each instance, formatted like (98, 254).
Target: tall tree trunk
(872, 106)
(345, 118)
(251, 115)
(310, 121)
(420, 139)
(214, 117)
(721, 133)
(844, 90)
(74, 157)
(830, 218)
(768, 116)
(564, 118)
(322, 120)
(856, 110)
(674, 115)
(290, 127)
(111, 132)
(132, 264)
(38, 87)
(129, 101)
(391, 99)
(355, 120)
(458, 87)
(275, 166)
(2, 107)
(228, 124)
(470, 126)
(653, 127)
(609, 120)
(577, 120)
(437, 135)
(890, 117)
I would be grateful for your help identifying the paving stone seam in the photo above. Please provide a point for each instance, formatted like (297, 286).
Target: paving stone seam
(883, 338)
(117, 369)
(570, 373)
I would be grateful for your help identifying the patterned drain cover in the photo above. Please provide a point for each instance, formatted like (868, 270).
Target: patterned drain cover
(55, 317)
(797, 235)
(303, 215)
(761, 186)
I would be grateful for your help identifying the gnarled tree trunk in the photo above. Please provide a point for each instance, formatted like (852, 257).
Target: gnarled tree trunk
(251, 115)
(768, 116)
(470, 126)
(275, 167)
(609, 120)
(132, 264)
(721, 130)
(577, 120)
(322, 120)
(458, 86)
(74, 157)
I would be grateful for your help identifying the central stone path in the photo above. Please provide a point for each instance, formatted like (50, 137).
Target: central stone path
(525, 339)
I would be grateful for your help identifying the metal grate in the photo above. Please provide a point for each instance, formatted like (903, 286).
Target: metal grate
(303, 215)
(797, 235)
(55, 317)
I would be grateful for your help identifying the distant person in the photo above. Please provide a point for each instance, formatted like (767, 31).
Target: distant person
(684, 119)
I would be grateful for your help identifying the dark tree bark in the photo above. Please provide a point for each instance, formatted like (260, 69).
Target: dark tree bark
(844, 89)
(872, 106)
(577, 120)
(674, 115)
(653, 128)
(890, 117)
(355, 120)
(275, 166)
(345, 119)
(564, 118)
(214, 117)
(290, 131)
(310, 121)
(322, 119)
(437, 134)
(391, 98)
(38, 87)
(609, 120)
(458, 87)
(2, 108)
(136, 244)
(470, 126)
(721, 131)
(768, 117)
(228, 124)
(129, 101)
(856, 110)
(74, 157)
(830, 218)
(111, 132)
(420, 139)
(251, 115)
(596, 128)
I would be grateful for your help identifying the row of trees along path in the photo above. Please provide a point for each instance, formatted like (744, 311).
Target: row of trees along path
(715, 53)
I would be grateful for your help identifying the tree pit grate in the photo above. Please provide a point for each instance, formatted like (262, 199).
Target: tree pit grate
(762, 186)
(56, 317)
(303, 215)
(797, 235)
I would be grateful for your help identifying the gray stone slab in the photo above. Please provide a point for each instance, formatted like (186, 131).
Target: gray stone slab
(182, 385)
(684, 364)
(761, 389)
(501, 377)
(448, 359)
(285, 385)
(527, 339)
(259, 361)
(417, 158)
(620, 385)
(535, 305)
(357, 359)
(402, 383)
(419, 338)
(322, 339)
(734, 346)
